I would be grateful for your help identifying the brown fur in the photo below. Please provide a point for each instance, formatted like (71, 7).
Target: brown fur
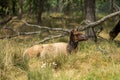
(47, 50)
(55, 49)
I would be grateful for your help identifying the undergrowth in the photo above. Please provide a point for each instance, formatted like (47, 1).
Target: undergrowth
(93, 61)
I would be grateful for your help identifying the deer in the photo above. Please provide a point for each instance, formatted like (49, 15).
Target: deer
(55, 49)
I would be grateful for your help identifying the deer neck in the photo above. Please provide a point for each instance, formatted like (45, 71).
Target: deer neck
(72, 46)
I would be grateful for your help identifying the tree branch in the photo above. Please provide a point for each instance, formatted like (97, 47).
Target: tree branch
(21, 33)
(93, 24)
(51, 37)
(81, 28)
(116, 6)
(4, 21)
(44, 27)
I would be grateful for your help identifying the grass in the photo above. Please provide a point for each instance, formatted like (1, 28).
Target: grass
(94, 61)
(99, 61)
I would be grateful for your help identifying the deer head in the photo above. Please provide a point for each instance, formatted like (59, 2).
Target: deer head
(76, 36)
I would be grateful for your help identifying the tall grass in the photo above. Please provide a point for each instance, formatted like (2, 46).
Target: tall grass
(41, 74)
(11, 60)
(93, 61)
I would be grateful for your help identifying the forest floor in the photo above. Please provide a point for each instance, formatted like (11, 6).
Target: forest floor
(93, 61)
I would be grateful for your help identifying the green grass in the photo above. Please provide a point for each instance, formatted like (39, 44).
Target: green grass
(99, 61)
(94, 61)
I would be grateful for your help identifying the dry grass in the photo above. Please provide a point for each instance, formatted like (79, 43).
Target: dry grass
(99, 61)
(94, 61)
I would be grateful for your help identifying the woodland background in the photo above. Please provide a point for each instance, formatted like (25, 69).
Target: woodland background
(27, 22)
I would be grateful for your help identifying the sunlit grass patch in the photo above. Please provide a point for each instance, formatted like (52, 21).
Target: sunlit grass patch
(93, 61)
(110, 72)
(40, 74)
(8, 67)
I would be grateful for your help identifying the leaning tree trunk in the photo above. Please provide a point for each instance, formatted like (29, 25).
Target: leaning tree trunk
(90, 16)
(40, 11)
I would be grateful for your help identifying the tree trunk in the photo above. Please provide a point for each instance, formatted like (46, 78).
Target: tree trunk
(90, 16)
(59, 6)
(111, 6)
(40, 11)
(14, 2)
(4, 8)
(82, 7)
(67, 8)
(20, 9)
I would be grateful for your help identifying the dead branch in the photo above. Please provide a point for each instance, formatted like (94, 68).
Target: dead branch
(94, 24)
(4, 21)
(116, 6)
(44, 27)
(81, 28)
(30, 33)
(21, 33)
(51, 37)
(12, 30)
(8, 37)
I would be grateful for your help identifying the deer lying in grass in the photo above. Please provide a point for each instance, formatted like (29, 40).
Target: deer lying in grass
(54, 49)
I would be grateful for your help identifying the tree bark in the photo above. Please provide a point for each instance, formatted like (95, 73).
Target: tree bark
(5, 21)
(4, 8)
(20, 11)
(14, 2)
(90, 16)
(111, 6)
(67, 8)
(82, 6)
(40, 11)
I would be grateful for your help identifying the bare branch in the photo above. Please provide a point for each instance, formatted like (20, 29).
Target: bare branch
(44, 27)
(30, 33)
(4, 21)
(21, 33)
(51, 37)
(10, 36)
(93, 24)
(82, 27)
(116, 6)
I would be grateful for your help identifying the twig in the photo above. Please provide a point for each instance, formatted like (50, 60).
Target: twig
(102, 50)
